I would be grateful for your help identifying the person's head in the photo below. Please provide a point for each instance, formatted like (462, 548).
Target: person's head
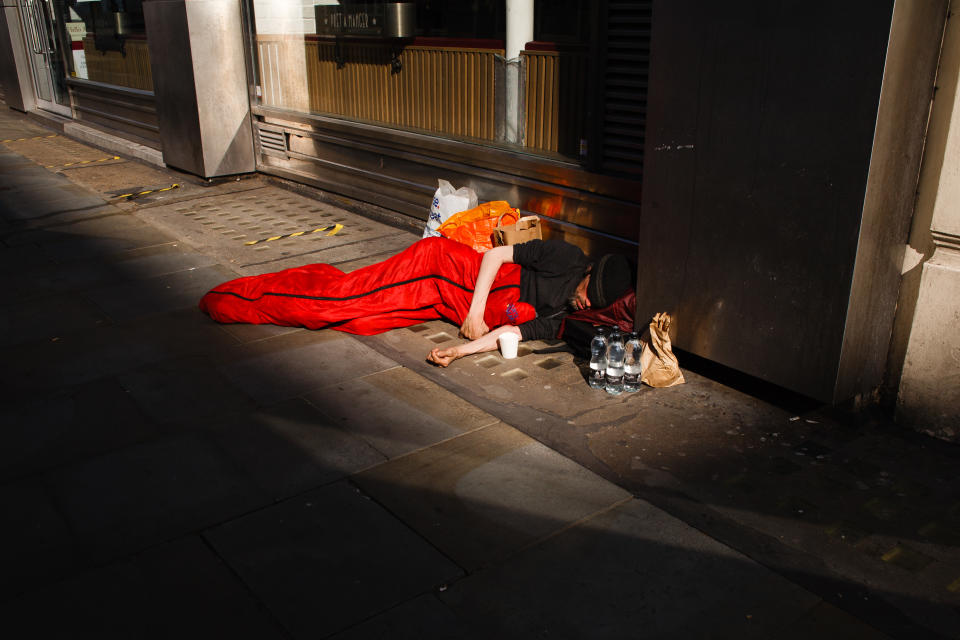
(607, 279)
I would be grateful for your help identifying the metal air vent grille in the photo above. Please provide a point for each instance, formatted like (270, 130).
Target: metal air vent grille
(273, 140)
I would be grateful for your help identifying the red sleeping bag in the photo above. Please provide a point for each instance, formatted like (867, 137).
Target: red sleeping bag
(431, 279)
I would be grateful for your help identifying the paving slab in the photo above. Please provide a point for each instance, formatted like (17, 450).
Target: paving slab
(398, 411)
(13, 127)
(11, 164)
(329, 559)
(107, 174)
(36, 545)
(42, 367)
(52, 151)
(290, 447)
(178, 590)
(54, 200)
(169, 292)
(75, 423)
(109, 232)
(121, 177)
(827, 622)
(21, 260)
(545, 377)
(19, 176)
(148, 493)
(190, 188)
(487, 494)
(237, 227)
(245, 333)
(543, 391)
(294, 364)
(295, 253)
(633, 571)
(183, 390)
(158, 260)
(812, 485)
(764, 477)
(50, 318)
(40, 276)
(423, 618)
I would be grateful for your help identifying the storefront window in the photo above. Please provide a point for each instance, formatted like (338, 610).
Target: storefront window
(432, 66)
(108, 41)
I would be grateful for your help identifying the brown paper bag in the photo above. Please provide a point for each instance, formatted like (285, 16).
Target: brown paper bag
(657, 362)
(525, 229)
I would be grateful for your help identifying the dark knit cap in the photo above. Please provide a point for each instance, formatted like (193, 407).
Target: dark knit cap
(610, 278)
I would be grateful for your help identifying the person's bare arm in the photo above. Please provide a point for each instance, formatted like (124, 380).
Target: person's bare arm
(486, 342)
(473, 325)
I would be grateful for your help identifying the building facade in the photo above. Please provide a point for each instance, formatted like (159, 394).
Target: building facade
(782, 172)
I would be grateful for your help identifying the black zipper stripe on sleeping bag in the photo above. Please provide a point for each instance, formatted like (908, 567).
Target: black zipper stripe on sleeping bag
(361, 295)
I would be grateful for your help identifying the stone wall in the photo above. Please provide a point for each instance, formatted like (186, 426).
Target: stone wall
(929, 311)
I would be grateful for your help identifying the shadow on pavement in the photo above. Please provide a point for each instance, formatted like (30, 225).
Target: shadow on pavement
(164, 475)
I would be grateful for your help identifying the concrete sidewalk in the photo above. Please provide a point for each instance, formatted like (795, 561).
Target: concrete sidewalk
(166, 476)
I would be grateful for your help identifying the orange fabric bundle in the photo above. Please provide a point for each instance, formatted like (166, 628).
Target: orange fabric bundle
(474, 227)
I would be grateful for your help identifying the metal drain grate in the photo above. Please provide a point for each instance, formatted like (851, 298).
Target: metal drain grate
(489, 362)
(268, 229)
(549, 363)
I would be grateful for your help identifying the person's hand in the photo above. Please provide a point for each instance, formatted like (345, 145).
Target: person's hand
(474, 327)
(443, 357)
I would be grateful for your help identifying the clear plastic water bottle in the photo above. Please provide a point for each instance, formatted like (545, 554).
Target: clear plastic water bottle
(631, 364)
(615, 353)
(598, 359)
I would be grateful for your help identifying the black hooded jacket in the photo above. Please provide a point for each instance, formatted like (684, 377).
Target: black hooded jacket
(549, 275)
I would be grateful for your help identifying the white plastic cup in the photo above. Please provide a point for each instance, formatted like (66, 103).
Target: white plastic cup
(508, 345)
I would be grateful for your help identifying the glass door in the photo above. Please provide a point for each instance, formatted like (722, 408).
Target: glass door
(46, 60)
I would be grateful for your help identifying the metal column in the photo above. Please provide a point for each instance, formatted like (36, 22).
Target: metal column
(200, 83)
(14, 66)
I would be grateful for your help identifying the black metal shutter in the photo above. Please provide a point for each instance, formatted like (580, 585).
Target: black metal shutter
(623, 61)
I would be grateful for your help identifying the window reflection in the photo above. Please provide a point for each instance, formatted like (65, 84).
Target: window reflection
(447, 79)
(108, 41)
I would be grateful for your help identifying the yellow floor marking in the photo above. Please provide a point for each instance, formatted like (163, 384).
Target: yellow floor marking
(332, 229)
(73, 164)
(34, 138)
(143, 193)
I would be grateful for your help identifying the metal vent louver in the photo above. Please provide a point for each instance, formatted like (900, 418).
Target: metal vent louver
(625, 87)
(273, 140)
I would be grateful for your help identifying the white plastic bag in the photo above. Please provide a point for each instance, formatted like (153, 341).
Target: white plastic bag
(446, 202)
